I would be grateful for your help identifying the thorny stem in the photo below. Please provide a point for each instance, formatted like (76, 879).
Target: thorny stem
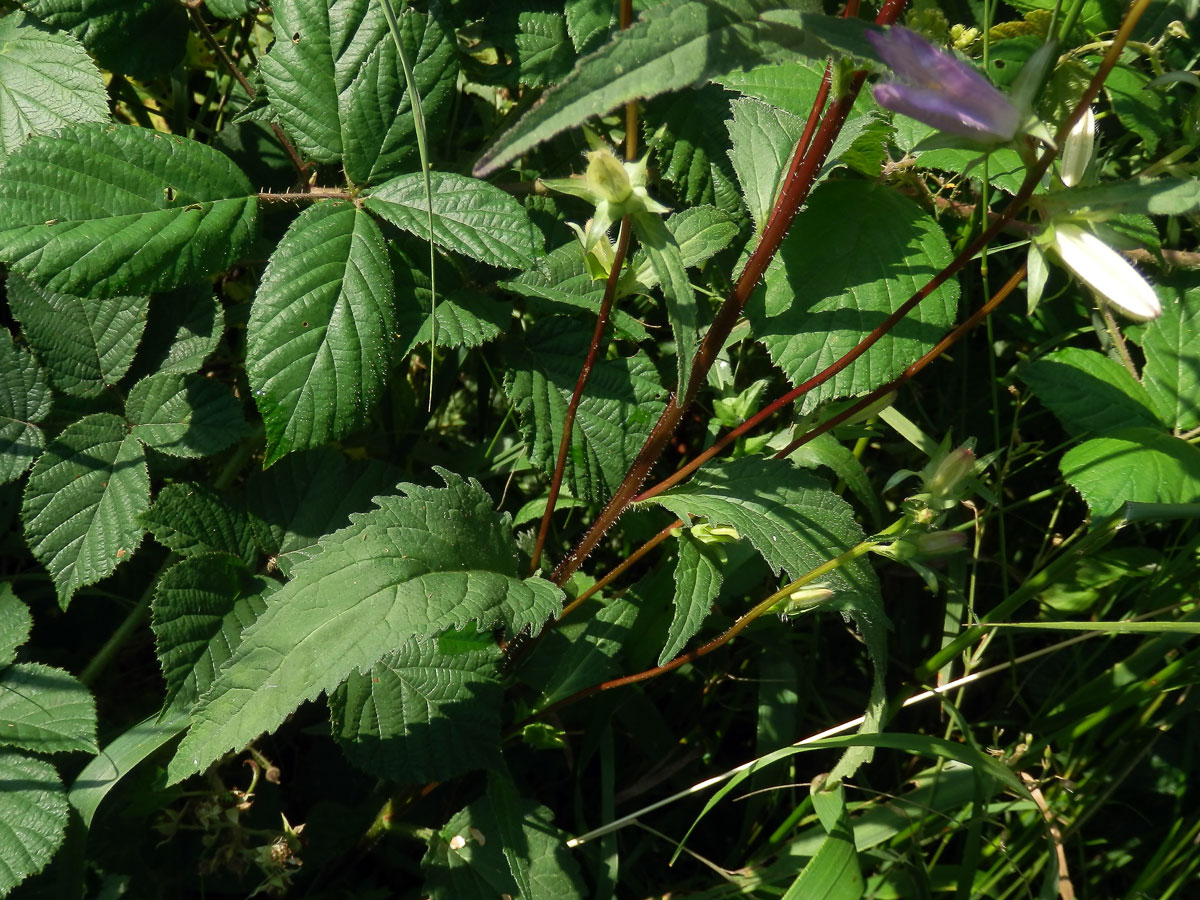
(309, 193)
(790, 199)
(564, 442)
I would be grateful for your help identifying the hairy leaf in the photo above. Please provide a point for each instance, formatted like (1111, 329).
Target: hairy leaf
(1088, 392)
(49, 82)
(15, 622)
(1172, 371)
(763, 140)
(334, 77)
(697, 583)
(83, 502)
(85, 345)
(33, 817)
(420, 714)
(24, 401)
(673, 45)
(45, 710)
(470, 217)
(201, 606)
(193, 518)
(184, 415)
(319, 340)
(544, 52)
(1140, 464)
(97, 210)
(589, 22)
(424, 561)
(854, 255)
(669, 268)
(622, 401)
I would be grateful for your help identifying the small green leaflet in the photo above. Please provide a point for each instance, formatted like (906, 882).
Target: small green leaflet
(46, 710)
(150, 212)
(697, 583)
(83, 502)
(395, 573)
(184, 415)
(49, 82)
(1088, 392)
(1172, 371)
(24, 401)
(33, 808)
(192, 518)
(318, 344)
(15, 623)
(1140, 464)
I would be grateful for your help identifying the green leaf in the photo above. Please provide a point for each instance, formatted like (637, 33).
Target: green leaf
(49, 82)
(83, 502)
(15, 623)
(424, 561)
(673, 45)
(201, 607)
(789, 86)
(667, 261)
(834, 872)
(319, 341)
(764, 139)
(308, 495)
(589, 23)
(1005, 169)
(1172, 371)
(33, 817)
(1088, 392)
(1142, 111)
(142, 38)
(460, 866)
(1153, 197)
(182, 330)
(193, 518)
(693, 157)
(420, 715)
(854, 255)
(184, 415)
(45, 710)
(701, 233)
(470, 217)
(620, 406)
(230, 9)
(1140, 464)
(85, 345)
(152, 212)
(697, 583)
(24, 401)
(825, 450)
(334, 78)
(465, 318)
(544, 52)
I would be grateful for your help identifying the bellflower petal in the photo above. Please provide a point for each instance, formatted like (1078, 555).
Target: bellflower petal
(1077, 149)
(1104, 270)
(933, 87)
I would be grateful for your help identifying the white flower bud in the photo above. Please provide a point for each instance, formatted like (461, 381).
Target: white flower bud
(1077, 149)
(1102, 269)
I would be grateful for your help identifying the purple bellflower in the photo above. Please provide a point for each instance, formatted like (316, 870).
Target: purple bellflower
(933, 87)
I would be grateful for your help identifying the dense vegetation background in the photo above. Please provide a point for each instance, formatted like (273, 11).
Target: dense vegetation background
(590, 449)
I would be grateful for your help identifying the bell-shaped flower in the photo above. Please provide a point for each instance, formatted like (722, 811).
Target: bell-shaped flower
(1077, 149)
(934, 87)
(1104, 270)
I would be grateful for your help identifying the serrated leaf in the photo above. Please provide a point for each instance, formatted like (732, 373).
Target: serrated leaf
(1088, 392)
(697, 583)
(335, 80)
(33, 817)
(470, 217)
(424, 561)
(853, 256)
(49, 82)
(790, 86)
(420, 715)
(589, 23)
(97, 210)
(194, 518)
(1005, 168)
(693, 156)
(45, 710)
(622, 401)
(308, 495)
(673, 45)
(667, 261)
(474, 869)
(1139, 464)
(1172, 372)
(465, 318)
(183, 329)
(824, 450)
(763, 141)
(544, 52)
(85, 345)
(24, 401)
(230, 9)
(319, 340)
(184, 415)
(15, 623)
(201, 607)
(142, 38)
(83, 502)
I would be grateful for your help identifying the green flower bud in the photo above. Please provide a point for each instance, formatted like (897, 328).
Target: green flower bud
(607, 177)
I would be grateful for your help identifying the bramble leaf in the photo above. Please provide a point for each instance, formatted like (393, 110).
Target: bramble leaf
(420, 714)
(83, 502)
(184, 415)
(1088, 392)
(193, 518)
(697, 583)
(423, 561)
(15, 623)
(33, 817)
(24, 401)
(183, 328)
(1172, 372)
(45, 710)
(319, 340)
(98, 210)
(49, 82)
(1140, 464)
(85, 345)
(470, 217)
